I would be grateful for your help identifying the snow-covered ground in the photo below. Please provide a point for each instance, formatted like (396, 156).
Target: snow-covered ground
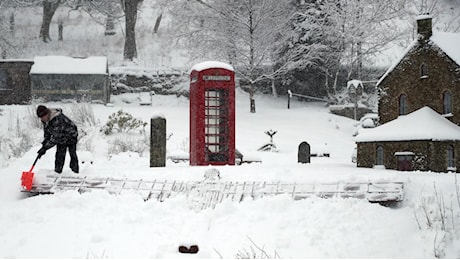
(97, 224)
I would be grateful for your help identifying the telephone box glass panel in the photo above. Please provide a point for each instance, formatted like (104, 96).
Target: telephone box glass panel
(216, 128)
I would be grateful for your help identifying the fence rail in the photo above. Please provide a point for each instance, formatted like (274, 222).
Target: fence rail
(208, 193)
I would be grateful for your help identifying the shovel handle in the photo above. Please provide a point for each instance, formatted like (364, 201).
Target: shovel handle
(33, 165)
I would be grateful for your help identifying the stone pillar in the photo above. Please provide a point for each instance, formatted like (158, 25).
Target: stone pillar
(157, 142)
(303, 155)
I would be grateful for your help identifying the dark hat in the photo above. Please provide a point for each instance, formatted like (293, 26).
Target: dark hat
(42, 110)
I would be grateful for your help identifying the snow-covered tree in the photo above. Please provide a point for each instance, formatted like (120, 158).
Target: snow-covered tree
(6, 43)
(244, 33)
(9, 44)
(351, 30)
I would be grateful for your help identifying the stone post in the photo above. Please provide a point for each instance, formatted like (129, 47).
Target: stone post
(157, 141)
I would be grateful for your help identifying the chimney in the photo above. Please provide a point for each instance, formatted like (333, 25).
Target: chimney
(424, 26)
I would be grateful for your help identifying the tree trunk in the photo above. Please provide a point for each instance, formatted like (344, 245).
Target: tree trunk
(110, 25)
(252, 101)
(359, 65)
(157, 23)
(12, 24)
(130, 8)
(275, 94)
(49, 8)
(60, 30)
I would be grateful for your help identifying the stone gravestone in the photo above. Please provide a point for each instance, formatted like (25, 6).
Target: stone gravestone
(303, 155)
(157, 142)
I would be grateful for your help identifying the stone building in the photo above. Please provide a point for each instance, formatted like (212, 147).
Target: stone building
(59, 78)
(15, 81)
(422, 140)
(419, 101)
(428, 74)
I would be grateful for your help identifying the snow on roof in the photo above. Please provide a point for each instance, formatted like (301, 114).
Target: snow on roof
(354, 82)
(69, 65)
(393, 66)
(211, 64)
(423, 17)
(422, 124)
(145, 71)
(16, 60)
(447, 42)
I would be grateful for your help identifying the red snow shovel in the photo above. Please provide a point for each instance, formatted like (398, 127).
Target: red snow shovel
(28, 177)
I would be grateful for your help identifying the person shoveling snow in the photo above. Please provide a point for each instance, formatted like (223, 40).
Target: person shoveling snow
(59, 130)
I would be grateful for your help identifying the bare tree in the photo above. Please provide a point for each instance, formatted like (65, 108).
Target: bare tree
(244, 33)
(130, 9)
(8, 41)
(49, 8)
(109, 9)
(104, 12)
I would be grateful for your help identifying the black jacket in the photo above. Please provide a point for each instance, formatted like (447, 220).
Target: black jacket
(59, 129)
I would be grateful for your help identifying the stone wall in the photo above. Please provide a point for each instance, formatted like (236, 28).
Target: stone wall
(349, 111)
(162, 83)
(15, 82)
(429, 155)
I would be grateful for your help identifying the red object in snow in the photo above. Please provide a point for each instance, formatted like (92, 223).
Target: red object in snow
(212, 114)
(27, 178)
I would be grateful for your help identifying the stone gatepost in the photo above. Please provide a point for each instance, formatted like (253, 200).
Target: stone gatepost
(303, 155)
(157, 141)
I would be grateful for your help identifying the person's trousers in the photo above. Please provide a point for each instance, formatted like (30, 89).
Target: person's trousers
(61, 150)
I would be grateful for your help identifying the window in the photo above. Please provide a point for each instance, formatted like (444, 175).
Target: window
(216, 125)
(379, 158)
(450, 157)
(402, 104)
(447, 102)
(423, 71)
(4, 80)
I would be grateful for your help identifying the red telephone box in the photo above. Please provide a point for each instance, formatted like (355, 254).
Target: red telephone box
(212, 114)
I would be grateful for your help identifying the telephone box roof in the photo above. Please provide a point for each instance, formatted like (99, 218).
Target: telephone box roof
(211, 64)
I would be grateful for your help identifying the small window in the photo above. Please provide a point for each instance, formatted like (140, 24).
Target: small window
(4, 80)
(379, 155)
(423, 71)
(402, 104)
(447, 102)
(450, 157)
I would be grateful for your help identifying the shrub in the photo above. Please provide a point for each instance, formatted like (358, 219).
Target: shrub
(82, 114)
(122, 122)
(128, 143)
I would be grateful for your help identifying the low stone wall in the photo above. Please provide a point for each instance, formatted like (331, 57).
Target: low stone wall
(162, 82)
(429, 155)
(349, 111)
